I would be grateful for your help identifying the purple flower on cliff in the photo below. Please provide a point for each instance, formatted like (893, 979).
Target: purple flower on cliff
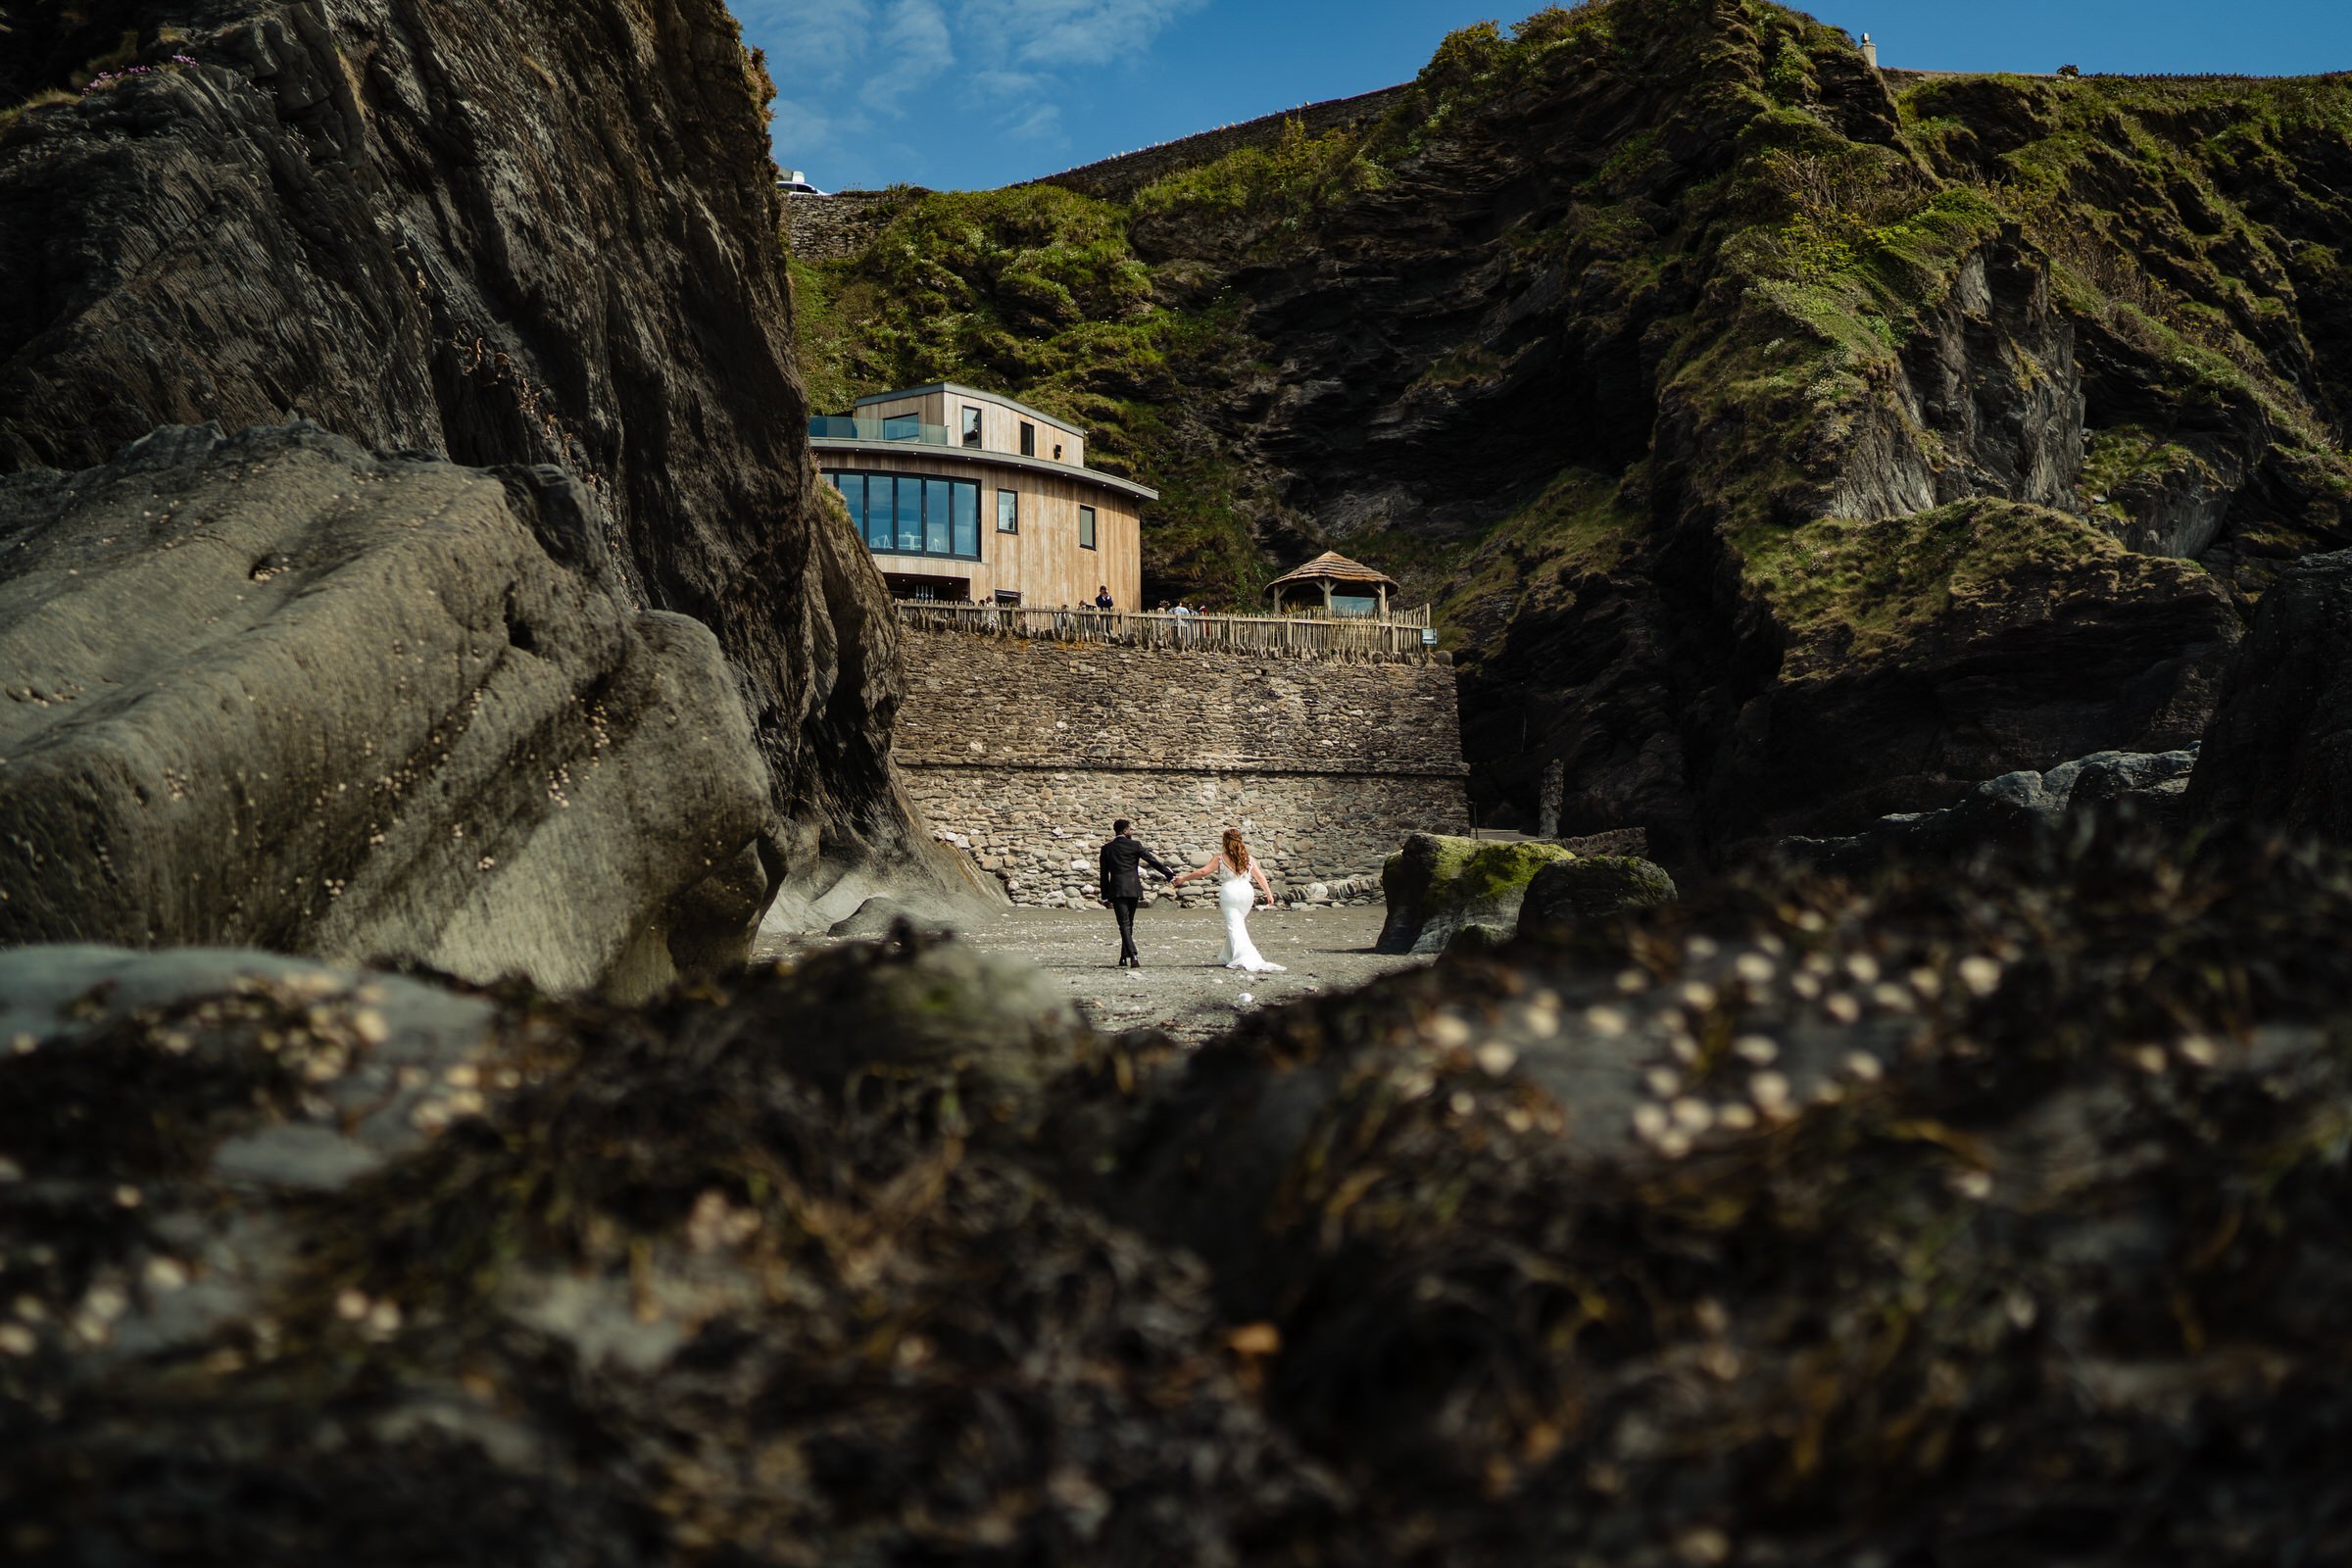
(110, 77)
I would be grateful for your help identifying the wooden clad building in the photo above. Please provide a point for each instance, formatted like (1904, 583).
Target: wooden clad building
(965, 496)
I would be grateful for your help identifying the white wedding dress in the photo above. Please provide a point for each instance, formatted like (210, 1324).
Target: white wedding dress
(1234, 894)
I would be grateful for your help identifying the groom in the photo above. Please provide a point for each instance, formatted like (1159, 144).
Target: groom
(1123, 884)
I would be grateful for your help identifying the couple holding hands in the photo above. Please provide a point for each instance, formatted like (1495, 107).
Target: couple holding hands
(1240, 879)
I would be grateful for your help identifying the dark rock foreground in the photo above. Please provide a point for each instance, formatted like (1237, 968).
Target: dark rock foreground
(1988, 1215)
(272, 691)
(2278, 753)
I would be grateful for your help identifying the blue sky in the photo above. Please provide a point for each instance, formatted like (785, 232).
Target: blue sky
(957, 94)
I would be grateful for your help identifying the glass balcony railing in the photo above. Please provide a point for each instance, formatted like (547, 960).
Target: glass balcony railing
(847, 429)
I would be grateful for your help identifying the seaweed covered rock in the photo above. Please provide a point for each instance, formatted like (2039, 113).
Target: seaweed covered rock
(652, 1295)
(2278, 752)
(1592, 887)
(1437, 884)
(164, 1117)
(1998, 1208)
(2001, 1206)
(274, 691)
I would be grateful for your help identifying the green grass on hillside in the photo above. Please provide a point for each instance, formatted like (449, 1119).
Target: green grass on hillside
(1820, 242)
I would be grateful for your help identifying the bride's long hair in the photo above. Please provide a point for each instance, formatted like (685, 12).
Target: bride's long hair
(1237, 854)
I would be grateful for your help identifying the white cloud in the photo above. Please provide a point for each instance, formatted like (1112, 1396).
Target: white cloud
(1074, 32)
(1006, 84)
(808, 40)
(916, 50)
(1040, 122)
(846, 69)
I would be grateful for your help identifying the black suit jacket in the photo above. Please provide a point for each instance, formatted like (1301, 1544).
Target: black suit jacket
(1121, 859)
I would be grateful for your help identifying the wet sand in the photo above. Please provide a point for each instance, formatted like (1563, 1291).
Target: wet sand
(1180, 989)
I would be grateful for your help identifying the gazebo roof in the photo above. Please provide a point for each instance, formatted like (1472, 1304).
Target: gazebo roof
(1332, 566)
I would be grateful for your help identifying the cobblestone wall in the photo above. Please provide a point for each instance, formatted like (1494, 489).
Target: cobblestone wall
(827, 229)
(1023, 752)
(1118, 178)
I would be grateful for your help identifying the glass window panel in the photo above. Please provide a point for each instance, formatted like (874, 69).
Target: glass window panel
(877, 510)
(1086, 527)
(1028, 440)
(967, 518)
(901, 427)
(935, 516)
(1354, 604)
(853, 496)
(1009, 512)
(911, 516)
(971, 427)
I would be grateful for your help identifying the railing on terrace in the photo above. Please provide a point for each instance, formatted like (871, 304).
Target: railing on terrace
(837, 428)
(1275, 636)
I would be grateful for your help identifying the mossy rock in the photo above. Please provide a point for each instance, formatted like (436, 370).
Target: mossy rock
(1592, 888)
(1436, 885)
(1475, 940)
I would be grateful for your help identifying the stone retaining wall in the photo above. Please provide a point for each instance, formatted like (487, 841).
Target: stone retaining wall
(1023, 752)
(827, 229)
(1115, 179)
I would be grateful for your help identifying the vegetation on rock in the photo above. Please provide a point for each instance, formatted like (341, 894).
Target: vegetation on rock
(1618, 325)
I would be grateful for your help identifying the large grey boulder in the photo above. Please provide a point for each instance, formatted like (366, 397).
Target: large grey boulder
(272, 691)
(503, 232)
(2278, 752)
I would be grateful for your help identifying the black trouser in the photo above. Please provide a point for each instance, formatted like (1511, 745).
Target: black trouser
(1124, 909)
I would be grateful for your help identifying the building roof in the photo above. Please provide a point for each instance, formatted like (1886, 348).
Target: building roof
(961, 390)
(856, 446)
(1332, 566)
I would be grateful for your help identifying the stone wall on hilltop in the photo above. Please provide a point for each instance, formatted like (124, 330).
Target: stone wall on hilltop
(1026, 749)
(827, 229)
(511, 232)
(1126, 174)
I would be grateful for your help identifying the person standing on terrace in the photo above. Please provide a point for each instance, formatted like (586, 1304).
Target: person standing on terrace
(1102, 598)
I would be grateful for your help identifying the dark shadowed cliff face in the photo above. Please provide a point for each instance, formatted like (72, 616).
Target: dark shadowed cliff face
(1783, 442)
(534, 232)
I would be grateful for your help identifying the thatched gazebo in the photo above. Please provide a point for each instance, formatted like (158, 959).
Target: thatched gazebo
(1335, 585)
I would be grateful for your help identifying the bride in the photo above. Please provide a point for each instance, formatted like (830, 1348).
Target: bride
(1236, 873)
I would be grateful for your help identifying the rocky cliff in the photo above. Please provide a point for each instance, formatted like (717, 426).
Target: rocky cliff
(500, 233)
(1786, 443)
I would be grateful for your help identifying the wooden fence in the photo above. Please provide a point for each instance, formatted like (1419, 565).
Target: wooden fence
(1270, 636)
